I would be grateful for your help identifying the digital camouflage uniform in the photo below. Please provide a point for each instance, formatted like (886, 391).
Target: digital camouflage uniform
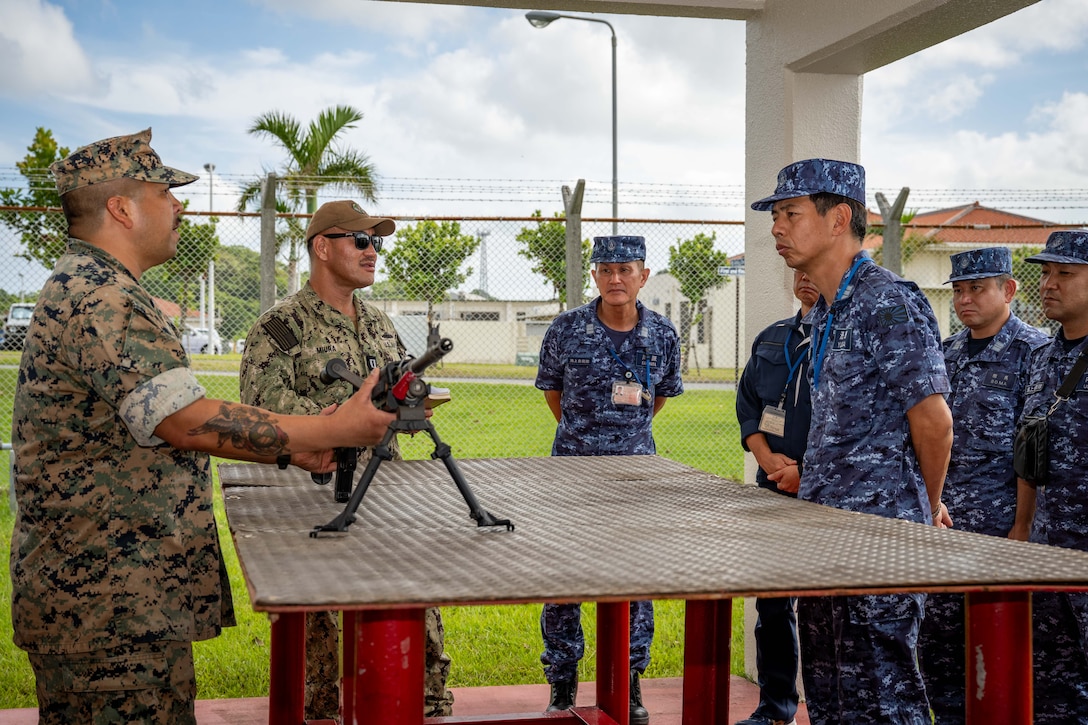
(576, 357)
(767, 381)
(980, 489)
(881, 358)
(1060, 619)
(115, 545)
(285, 353)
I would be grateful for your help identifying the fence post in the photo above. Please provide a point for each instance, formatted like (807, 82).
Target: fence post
(11, 475)
(572, 204)
(268, 242)
(893, 230)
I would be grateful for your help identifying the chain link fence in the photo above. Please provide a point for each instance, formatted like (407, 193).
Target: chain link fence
(494, 295)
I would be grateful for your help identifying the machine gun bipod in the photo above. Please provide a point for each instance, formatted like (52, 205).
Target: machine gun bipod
(400, 390)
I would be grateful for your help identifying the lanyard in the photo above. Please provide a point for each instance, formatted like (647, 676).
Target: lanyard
(822, 349)
(791, 365)
(632, 372)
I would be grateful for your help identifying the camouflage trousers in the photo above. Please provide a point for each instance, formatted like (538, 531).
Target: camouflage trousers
(942, 657)
(323, 667)
(142, 684)
(858, 659)
(1060, 656)
(564, 642)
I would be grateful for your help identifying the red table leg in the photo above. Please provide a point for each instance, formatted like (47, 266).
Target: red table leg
(349, 635)
(287, 686)
(707, 634)
(614, 660)
(389, 669)
(999, 668)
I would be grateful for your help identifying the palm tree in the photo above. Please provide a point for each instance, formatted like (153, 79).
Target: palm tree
(314, 161)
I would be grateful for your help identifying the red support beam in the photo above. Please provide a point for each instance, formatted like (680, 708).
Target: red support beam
(707, 635)
(999, 664)
(614, 660)
(287, 686)
(389, 674)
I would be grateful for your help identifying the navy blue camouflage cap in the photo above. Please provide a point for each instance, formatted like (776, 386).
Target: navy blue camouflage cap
(120, 157)
(618, 249)
(1064, 248)
(980, 263)
(813, 176)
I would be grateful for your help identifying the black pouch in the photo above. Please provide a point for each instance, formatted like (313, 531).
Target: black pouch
(1030, 455)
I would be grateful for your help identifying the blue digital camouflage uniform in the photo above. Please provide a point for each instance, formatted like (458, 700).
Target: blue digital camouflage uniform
(882, 357)
(1060, 619)
(767, 381)
(576, 357)
(980, 489)
(286, 351)
(115, 544)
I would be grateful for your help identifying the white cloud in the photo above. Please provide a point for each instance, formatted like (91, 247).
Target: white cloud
(38, 51)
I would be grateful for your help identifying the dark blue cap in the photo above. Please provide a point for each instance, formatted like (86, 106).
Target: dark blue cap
(813, 176)
(980, 263)
(1064, 248)
(618, 249)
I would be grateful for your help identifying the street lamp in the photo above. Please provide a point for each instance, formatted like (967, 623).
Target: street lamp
(542, 19)
(210, 168)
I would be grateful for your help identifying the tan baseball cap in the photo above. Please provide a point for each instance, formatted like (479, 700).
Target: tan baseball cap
(347, 215)
(119, 157)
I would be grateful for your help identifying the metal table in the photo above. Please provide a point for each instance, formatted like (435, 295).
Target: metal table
(608, 530)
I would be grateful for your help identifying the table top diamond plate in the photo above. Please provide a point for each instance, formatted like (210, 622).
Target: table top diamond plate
(607, 528)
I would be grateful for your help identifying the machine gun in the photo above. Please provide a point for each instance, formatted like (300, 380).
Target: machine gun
(399, 390)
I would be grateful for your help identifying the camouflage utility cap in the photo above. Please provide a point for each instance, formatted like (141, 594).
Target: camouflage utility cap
(347, 215)
(980, 263)
(813, 176)
(120, 157)
(1064, 248)
(618, 249)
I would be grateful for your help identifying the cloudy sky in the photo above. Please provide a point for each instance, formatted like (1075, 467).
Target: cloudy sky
(479, 95)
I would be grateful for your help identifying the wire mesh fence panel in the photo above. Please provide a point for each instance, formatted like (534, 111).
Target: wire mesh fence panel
(492, 285)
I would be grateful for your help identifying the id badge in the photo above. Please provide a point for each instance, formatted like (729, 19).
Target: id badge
(625, 393)
(773, 421)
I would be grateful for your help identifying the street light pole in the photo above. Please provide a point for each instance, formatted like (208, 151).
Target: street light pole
(542, 19)
(211, 180)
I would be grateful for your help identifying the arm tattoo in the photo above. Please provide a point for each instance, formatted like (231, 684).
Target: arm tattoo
(247, 429)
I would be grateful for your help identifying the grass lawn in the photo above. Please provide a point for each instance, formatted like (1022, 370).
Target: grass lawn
(488, 645)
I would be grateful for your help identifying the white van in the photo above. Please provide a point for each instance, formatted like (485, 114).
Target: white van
(16, 325)
(201, 340)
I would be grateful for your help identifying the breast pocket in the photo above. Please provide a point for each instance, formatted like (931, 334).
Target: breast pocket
(771, 355)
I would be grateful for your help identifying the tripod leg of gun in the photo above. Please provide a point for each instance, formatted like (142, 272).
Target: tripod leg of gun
(477, 512)
(347, 516)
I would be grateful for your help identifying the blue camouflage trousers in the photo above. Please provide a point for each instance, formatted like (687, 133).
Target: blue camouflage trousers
(942, 657)
(564, 642)
(1060, 656)
(858, 659)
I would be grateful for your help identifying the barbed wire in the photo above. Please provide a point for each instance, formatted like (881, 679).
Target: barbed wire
(545, 191)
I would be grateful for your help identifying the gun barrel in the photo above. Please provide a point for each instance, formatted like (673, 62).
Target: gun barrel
(430, 356)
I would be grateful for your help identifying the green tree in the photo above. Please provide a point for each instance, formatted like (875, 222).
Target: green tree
(426, 260)
(44, 233)
(314, 161)
(694, 263)
(546, 247)
(177, 278)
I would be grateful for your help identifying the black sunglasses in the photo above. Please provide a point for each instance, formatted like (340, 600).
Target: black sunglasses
(362, 239)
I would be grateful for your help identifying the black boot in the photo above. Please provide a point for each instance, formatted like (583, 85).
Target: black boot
(563, 694)
(639, 715)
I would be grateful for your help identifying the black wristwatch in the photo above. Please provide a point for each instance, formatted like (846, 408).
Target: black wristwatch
(283, 461)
